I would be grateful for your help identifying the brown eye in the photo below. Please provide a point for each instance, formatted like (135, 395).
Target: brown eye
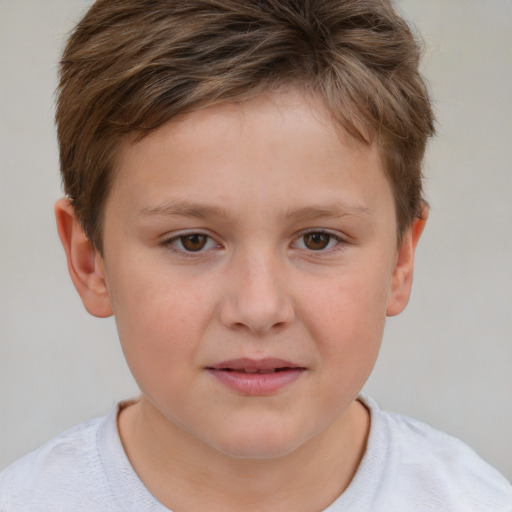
(317, 241)
(194, 242)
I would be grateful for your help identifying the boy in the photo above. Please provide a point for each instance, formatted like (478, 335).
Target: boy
(244, 195)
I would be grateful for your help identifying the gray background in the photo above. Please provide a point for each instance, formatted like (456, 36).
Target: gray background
(446, 360)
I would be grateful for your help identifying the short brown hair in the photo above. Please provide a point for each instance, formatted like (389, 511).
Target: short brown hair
(132, 65)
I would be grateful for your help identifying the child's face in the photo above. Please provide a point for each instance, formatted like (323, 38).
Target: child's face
(252, 237)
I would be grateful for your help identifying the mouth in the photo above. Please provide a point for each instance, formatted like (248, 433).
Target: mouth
(256, 377)
(247, 365)
(255, 370)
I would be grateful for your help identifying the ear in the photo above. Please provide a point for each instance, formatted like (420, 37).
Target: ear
(85, 264)
(401, 281)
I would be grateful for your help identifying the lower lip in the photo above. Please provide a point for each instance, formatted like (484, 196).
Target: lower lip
(257, 384)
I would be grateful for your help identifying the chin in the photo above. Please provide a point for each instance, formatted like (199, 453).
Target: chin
(259, 445)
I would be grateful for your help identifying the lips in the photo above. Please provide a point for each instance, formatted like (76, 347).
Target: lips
(250, 370)
(256, 377)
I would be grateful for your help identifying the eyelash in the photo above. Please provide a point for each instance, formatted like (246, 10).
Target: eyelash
(169, 243)
(340, 242)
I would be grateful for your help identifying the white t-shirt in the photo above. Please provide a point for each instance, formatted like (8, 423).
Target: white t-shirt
(408, 467)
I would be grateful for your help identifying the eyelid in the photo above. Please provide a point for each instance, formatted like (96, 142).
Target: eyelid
(168, 242)
(341, 240)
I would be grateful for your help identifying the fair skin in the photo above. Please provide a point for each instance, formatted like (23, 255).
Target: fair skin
(250, 259)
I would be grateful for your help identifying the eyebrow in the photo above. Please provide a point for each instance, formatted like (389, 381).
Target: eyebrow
(183, 209)
(334, 210)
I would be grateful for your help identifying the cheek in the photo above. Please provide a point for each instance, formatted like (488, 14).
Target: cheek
(347, 319)
(353, 301)
(159, 322)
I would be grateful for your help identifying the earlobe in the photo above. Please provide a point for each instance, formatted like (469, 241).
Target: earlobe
(85, 264)
(401, 282)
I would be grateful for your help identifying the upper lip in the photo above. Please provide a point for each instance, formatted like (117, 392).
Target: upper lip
(245, 363)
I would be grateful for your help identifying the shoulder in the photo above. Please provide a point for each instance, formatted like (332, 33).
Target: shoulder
(60, 468)
(438, 468)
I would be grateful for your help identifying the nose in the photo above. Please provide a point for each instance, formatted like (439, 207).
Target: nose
(257, 296)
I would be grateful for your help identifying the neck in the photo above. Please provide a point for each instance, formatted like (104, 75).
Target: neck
(173, 465)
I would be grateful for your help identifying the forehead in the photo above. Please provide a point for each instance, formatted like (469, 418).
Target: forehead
(284, 145)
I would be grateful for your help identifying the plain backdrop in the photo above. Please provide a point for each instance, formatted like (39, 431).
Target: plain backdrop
(447, 360)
